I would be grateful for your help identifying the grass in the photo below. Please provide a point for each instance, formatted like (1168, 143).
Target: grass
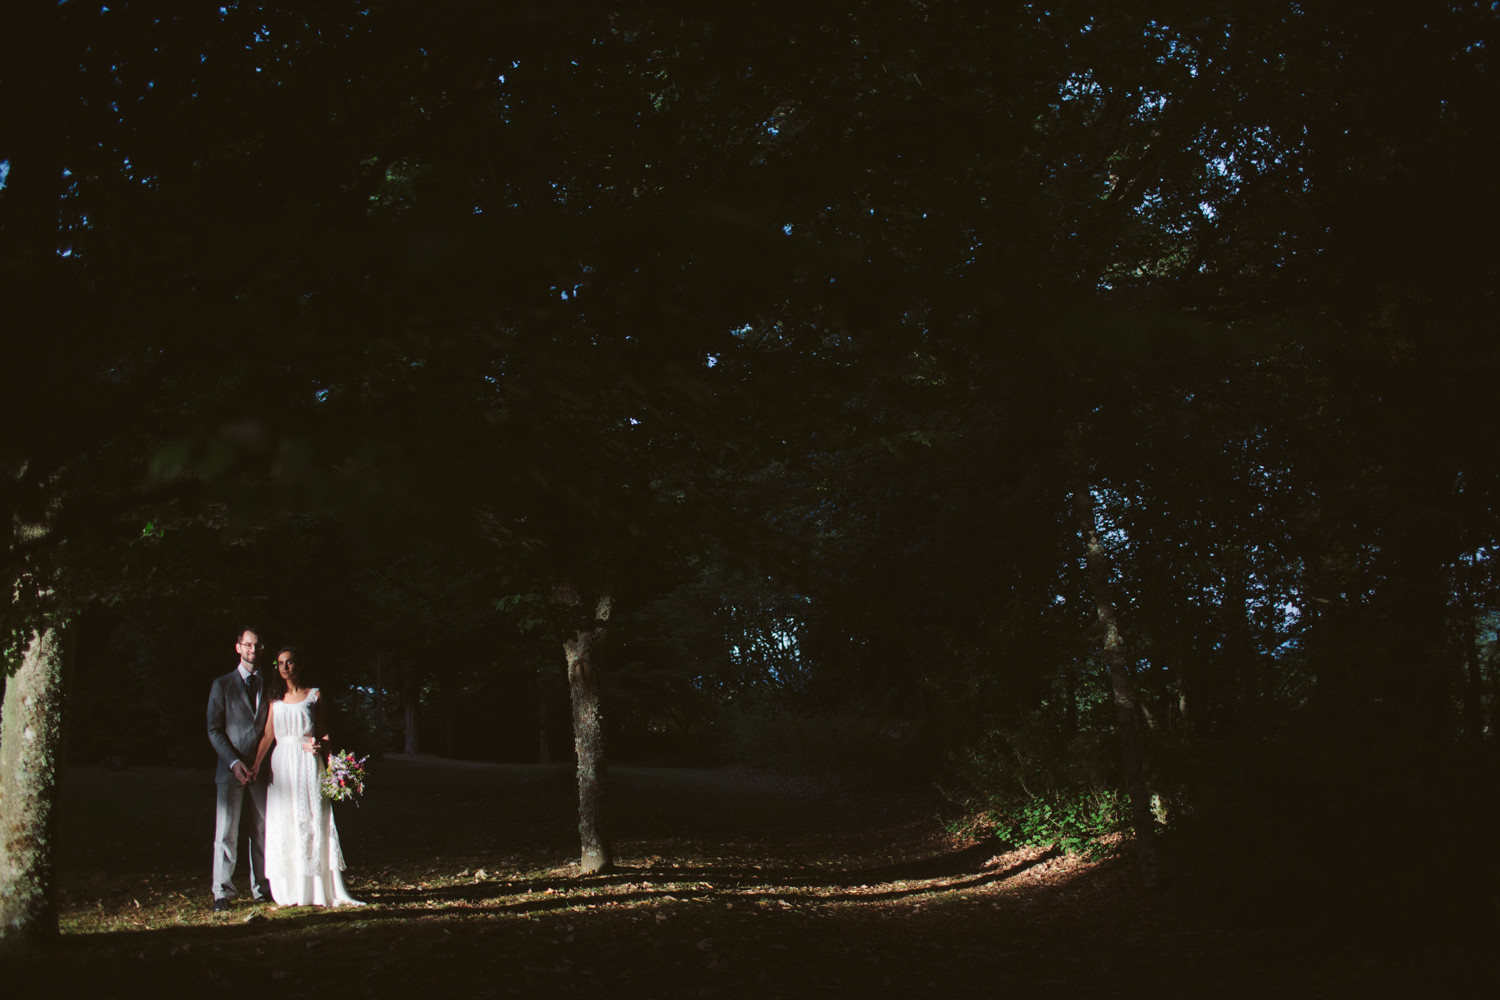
(730, 884)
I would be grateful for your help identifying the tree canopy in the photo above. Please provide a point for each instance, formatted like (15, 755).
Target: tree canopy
(382, 322)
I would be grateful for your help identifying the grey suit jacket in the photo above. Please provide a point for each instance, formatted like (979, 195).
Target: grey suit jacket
(234, 725)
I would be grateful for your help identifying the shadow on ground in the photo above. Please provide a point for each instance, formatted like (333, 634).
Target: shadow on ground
(727, 888)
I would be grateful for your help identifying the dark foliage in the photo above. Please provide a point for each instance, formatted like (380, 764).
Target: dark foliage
(375, 322)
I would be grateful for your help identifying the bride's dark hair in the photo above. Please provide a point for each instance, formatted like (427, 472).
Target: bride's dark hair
(278, 686)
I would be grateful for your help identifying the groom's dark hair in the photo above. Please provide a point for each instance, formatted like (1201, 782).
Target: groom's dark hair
(248, 628)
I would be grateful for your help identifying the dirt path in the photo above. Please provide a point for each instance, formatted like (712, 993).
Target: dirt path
(731, 884)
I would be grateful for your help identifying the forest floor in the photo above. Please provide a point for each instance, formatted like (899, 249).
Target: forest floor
(730, 884)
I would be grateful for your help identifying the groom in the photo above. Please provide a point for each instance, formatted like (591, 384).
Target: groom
(237, 707)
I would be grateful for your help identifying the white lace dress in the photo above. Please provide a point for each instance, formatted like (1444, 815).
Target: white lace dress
(303, 859)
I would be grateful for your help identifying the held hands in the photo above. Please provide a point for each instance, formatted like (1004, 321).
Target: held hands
(245, 775)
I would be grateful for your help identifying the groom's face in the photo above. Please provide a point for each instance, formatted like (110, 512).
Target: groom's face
(249, 647)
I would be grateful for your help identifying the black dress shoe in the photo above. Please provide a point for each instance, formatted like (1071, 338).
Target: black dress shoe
(221, 906)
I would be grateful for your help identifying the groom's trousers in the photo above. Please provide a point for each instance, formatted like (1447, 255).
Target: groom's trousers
(234, 798)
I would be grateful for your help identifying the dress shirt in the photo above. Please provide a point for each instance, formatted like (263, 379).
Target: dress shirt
(245, 676)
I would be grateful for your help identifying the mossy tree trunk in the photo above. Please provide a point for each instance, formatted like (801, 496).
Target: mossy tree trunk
(1113, 642)
(31, 761)
(584, 653)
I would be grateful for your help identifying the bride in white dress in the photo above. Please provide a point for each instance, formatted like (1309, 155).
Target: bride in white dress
(303, 859)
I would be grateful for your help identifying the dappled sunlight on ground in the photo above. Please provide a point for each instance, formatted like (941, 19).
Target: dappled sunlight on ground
(728, 886)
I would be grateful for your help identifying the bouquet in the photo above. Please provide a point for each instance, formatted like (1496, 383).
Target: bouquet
(344, 779)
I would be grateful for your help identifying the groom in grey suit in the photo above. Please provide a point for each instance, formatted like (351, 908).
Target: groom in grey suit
(237, 708)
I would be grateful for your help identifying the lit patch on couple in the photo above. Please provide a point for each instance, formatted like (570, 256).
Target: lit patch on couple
(295, 857)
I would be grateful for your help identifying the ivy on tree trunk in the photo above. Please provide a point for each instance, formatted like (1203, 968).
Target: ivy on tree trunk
(31, 752)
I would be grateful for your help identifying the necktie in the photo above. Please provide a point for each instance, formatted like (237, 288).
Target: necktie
(251, 685)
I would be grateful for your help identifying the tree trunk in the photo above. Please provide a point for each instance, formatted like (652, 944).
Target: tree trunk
(409, 700)
(584, 654)
(1070, 711)
(1145, 707)
(1188, 702)
(379, 697)
(1114, 657)
(1494, 672)
(31, 761)
(544, 748)
(1235, 636)
(450, 722)
(1474, 690)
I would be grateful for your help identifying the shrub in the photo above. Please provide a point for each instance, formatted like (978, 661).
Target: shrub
(1074, 822)
(1032, 786)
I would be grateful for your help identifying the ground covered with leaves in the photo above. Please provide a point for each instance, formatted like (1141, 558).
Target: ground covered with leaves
(731, 884)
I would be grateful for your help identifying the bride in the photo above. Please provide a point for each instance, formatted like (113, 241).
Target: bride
(303, 860)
